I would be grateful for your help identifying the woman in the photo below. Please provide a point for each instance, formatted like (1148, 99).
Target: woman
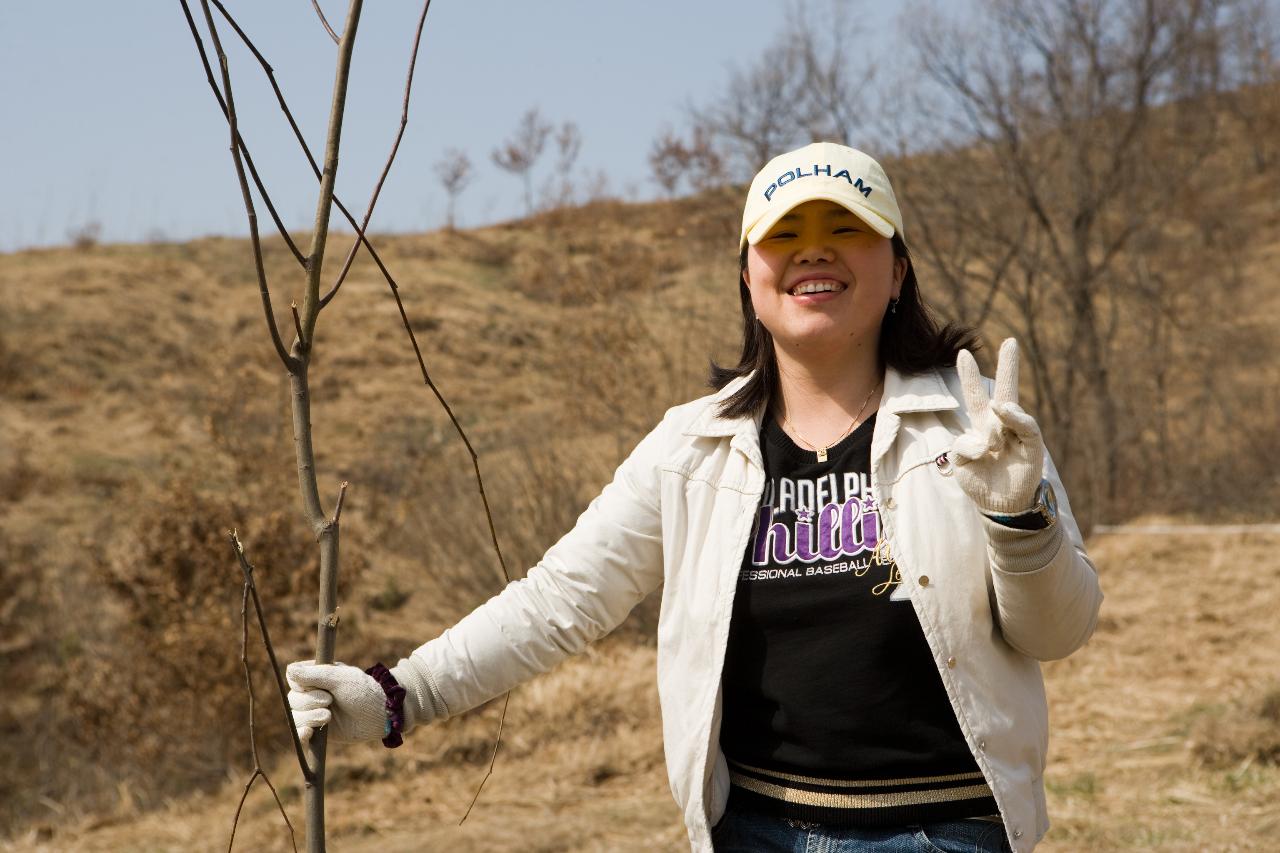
(861, 554)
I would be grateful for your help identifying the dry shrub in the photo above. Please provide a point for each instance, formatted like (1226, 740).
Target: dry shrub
(85, 236)
(626, 366)
(437, 525)
(15, 370)
(1246, 732)
(25, 622)
(162, 699)
(583, 272)
(18, 477)
(486, 250)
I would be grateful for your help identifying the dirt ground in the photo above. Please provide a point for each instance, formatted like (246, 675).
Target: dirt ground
(1160, 739)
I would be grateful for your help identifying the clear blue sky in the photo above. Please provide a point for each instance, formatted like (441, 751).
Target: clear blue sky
(107, 115)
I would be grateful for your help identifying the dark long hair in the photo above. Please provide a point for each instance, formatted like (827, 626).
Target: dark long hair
(910, 341)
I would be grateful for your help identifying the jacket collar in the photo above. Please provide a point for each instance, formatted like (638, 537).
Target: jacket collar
(903, 392)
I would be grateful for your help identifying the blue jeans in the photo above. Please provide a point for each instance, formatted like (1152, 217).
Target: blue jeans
(742, 831)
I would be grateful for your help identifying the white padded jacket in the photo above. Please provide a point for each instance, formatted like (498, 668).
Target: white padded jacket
(679, 512)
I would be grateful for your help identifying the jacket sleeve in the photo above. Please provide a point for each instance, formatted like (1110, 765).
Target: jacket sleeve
(583, 587)
(1046, 587)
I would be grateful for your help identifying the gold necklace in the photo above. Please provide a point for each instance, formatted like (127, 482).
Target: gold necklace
(822, 451)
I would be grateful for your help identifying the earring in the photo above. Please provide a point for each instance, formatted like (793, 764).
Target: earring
(893, 305)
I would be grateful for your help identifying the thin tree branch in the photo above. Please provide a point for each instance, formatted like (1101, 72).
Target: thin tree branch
(306, 150)
(316, 5)
(253, 735)
(492, 758)
(271, 78)
(248, 158)
(247, 568)
(285, 358)
(475, 457)
(297, 325)
(337, 509)
(333, 140)
(395, 147)
(244, 795)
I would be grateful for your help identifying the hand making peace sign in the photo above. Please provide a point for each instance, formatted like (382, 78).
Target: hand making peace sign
(999, 458)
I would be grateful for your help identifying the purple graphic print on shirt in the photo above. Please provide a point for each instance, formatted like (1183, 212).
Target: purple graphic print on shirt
(842, 530)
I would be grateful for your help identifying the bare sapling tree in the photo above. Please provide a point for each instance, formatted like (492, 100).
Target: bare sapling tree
(455, 173)
(563, 185)
(667, 161)
(1076, 129)
(297, 358)
(706, 166)
(695, 162)
(521, 151)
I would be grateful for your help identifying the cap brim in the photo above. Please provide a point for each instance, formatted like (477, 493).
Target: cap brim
(878, 223)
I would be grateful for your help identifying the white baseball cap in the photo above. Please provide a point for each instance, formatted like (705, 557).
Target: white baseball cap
(820, 170)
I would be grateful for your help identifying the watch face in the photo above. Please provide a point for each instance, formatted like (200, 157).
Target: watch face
(1049, 499)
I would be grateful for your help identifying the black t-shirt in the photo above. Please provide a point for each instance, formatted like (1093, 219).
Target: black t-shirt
(834, 710)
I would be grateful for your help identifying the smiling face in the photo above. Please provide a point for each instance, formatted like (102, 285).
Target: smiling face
(821, 280)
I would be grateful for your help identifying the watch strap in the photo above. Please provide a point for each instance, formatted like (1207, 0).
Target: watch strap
(1039, 517)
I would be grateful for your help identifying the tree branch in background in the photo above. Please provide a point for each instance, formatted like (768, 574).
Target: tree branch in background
(696, 162)
(251, 588)
(756, 116)
(808, 84)
(521, 151)
(455, 172)
(386, 168)
(325, 21)
(285, 358)
(561, 188)
(1082, 129)
(667, 161)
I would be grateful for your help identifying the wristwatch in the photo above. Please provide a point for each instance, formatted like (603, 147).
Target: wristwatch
(1040, 517)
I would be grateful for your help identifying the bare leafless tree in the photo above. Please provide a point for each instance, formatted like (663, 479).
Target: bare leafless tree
(563, 185)
(755, 118)
(706, 165)
(810, 83)
(695, 161)
(1080, 128)
(297, 358)
(522, 149)
(568, 147)
(454, 172)
(667, 160)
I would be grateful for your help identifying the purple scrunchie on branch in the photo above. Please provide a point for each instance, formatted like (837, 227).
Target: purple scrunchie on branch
(394, 704)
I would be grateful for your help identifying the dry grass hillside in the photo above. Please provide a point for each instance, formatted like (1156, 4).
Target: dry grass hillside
(142, 414)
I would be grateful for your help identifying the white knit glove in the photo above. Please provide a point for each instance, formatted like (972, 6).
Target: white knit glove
(999, 459)
(345, 698)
